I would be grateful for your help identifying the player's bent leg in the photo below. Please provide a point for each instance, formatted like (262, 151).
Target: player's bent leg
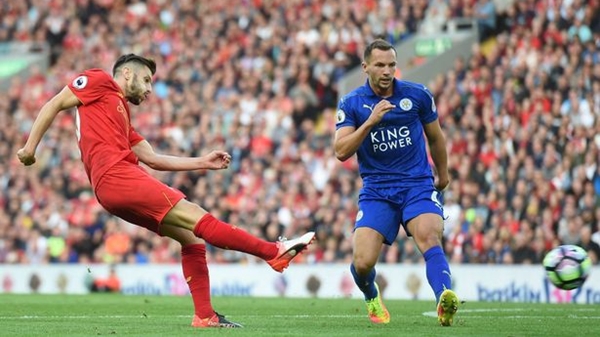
(366, 247)
(367, 244)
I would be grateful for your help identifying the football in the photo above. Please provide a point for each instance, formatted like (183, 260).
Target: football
(567, 266)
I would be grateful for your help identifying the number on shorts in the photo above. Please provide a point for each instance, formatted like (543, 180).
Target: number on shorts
(436, 200)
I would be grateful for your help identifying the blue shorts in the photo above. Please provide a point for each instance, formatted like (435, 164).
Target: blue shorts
(385, 209)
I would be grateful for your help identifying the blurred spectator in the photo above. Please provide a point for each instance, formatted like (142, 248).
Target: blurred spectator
(56, 246)
(485, 13)
(580, 31)
(588, 244)
(522, 251)
(117, 243)
(436, 17)
(110, 284)
(521, 117)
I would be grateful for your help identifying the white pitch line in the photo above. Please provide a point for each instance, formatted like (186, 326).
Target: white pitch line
(468, 311)
(434, 313)
(41, 317)
(527, 317)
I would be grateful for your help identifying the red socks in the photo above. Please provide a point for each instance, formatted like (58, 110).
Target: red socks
(226, 236)
(195, 271)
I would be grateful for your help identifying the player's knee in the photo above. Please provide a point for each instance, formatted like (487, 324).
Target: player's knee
(363, 264)
(428, 240)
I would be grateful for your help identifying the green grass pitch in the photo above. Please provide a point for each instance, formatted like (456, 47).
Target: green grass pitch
(119, 315)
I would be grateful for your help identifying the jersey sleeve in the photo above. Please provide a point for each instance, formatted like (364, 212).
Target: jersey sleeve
(134, 137)
(428, 112)
(345, 114)
(90, 85)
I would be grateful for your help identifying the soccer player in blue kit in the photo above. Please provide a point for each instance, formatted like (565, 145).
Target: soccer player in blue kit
(385, 123)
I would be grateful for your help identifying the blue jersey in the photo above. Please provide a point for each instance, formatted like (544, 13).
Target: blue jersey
(394, 152)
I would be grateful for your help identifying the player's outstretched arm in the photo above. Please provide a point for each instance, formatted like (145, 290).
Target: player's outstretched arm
(64, 100)
(216, 160)
(437, 146)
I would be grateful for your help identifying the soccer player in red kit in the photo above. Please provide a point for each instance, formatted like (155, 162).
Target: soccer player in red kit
(111, 150)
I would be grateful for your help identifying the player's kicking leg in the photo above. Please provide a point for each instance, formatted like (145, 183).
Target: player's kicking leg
(447, 307)
(223, 235)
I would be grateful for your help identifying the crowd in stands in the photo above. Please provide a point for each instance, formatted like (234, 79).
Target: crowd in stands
(521, 118)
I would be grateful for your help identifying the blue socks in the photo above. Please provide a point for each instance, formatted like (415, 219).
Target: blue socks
(438, 271)
(366, 284)
(436, 268)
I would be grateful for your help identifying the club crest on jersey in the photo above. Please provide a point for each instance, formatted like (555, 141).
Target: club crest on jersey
(406, 104)
(80, 82)
(340, 116)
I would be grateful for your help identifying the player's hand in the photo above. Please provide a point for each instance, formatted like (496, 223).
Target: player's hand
(26, 157)
(218, 160)
(379, 110)
(442, 183)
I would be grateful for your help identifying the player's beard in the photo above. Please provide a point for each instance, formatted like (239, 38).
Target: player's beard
(135, 92)
(385, 86)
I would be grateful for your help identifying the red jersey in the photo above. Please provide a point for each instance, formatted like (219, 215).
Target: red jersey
(104, 130)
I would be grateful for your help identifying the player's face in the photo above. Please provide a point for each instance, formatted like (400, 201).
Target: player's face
(139, 86)
(380, 68)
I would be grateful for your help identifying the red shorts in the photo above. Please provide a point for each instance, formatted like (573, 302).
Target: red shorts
(129, 192)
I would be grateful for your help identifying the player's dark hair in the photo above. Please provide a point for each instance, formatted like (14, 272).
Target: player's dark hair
(123, 59)
(377, 44)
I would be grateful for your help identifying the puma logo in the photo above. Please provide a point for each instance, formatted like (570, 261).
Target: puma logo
(370, 107)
